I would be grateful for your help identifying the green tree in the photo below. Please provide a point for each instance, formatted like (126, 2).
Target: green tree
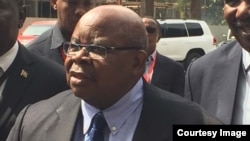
(189, 9)
(214, 12)
(209, 10)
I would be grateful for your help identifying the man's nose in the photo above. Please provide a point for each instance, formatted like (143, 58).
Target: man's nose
(81, 54)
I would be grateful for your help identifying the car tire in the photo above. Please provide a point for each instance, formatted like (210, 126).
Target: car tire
(191, 57)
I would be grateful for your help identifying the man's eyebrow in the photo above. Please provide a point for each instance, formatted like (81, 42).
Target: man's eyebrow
(73, 39)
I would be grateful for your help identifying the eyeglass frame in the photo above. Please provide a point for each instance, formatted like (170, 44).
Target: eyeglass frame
(66, 46)
(150, 27)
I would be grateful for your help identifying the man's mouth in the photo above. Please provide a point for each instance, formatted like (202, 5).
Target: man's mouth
(80, 78)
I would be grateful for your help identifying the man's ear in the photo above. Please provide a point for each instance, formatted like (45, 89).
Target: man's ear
(22, 16)
(53, 4)
(139, 62)
(158, 38)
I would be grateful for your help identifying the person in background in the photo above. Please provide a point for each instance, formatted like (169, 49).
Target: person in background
(219, 81)
(25, 78)
(161, 71)
(49, 44)
(104, 68)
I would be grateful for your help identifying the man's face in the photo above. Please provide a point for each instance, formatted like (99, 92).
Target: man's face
(100, 81)
(237, 15)
(153, 34)
(9, 24)
(70, 11)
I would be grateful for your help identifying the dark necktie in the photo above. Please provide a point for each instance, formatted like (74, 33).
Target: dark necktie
(1, 71)
(97, 127)
(248, 79)
(1, 76)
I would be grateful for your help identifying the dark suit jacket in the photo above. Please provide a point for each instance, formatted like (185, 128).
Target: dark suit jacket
(30, 79)
(168, 75)
(211, 81)
(57, 116)
(47, 44)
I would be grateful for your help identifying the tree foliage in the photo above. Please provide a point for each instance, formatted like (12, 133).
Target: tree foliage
(214, 12)
(209, 10)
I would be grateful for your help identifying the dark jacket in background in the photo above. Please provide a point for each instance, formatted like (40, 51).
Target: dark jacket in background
(48, 44)
(168, 75)
(212, 80)
(31, 78)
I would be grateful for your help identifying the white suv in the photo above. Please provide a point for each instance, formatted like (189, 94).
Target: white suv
(185, 40)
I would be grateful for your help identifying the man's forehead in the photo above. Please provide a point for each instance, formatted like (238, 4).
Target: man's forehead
(95, 35)
(92, 23)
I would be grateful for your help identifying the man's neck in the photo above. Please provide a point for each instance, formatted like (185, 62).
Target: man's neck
(66, 35)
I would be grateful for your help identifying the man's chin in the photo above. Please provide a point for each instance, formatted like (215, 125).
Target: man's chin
(245, 44)
(79, 93)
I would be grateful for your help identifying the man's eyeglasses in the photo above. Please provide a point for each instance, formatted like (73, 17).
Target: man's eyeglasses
(150, 30)
(92, 51)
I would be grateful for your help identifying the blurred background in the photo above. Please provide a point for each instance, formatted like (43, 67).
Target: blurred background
(210, 11)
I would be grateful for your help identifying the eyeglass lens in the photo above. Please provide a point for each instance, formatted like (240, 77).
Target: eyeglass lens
(93, 52)
(150, 30)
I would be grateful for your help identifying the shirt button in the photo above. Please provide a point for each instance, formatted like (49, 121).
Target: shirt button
(113, 128)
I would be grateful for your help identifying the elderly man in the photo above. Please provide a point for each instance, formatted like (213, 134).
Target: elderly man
(49, 44)
(109, 99)
(26, 78)
(219, 81)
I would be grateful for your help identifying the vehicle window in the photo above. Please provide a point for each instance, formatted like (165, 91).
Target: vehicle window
(173, 30)
(36, 30)
(194, 29)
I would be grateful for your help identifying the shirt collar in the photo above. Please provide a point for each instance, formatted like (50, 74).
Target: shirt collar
(245, 58)
(152, 57)
(8, 57)
(57, 37)
(124, 108)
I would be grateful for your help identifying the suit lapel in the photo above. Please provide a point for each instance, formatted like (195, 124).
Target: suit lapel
(157, 69)
(148, 122)
(55, 55)
(19, 77)
(66, 118)
(226, 73)
(56, 42)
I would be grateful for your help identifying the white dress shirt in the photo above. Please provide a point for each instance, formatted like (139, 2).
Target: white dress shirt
(246, 94)
(6, 60)
(122, 117)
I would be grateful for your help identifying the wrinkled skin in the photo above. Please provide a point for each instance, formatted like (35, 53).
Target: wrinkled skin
(103, 82)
